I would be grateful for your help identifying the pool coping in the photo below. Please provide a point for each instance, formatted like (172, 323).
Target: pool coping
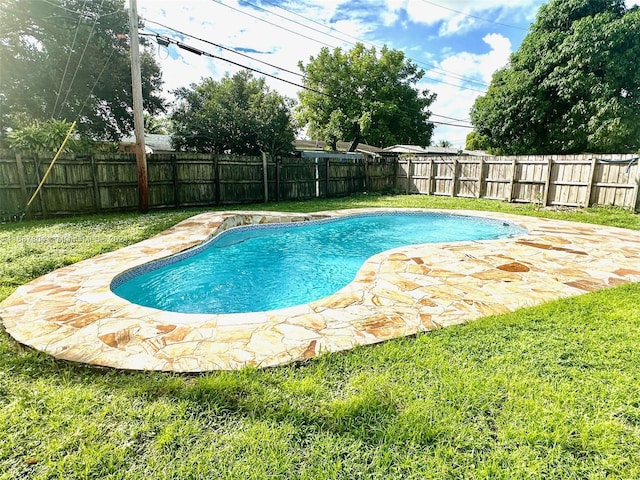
(72, 314)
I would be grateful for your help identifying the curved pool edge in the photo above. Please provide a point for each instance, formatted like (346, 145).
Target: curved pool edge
(72, 314)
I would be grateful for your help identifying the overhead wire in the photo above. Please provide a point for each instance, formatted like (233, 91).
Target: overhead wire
(104, 67)
(473, 16)
(80, 61)
(274, 24)
(334, 46)
(429, 67)
(198, 51)
(66, 67)
(222, 47)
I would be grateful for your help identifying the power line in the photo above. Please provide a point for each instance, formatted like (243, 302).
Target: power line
(429, 67)
(473, 16)
(223, 47)
(451, 118)
(450, 124)
(104, 67)
(197, 51)
(80, 60)
(342, 40)
(274, 24)
(66, 67)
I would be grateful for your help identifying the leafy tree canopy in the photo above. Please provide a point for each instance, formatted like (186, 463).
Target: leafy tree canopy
(362, 96)
(475, 141)
(572, 86)
(69, 60)
(47, 137)
(238, 114)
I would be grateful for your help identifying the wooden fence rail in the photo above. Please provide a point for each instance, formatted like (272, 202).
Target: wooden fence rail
(551, 180)
(95, 183)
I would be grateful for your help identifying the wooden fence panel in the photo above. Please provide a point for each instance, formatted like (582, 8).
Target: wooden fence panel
(443, 176)
(616, 183)
(117, 180)
(241, 179)
(570, 180)
(422, 176)
(498, 173)
(339, 177)
(380, 175)
(405, 174)
(13, 184)
(163, 186)
(469, 171)
(530, 180)
(108, 182)
(298, 178)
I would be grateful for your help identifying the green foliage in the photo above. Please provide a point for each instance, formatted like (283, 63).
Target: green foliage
(63, 59)
(572, 86)
(476, 141)
(362, 96)
(157, 125)
(45, 137)
(549, 392)
(238, 114)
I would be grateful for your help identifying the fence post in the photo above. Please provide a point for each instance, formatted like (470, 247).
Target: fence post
(480, 179)
(277, 179)
(592, 178)
(408, 176)
(454, 180)
(265, 178)
(327, 179)
(547, 182)
(96, 187)
(216, 180)
(21, 177)
(512, 181)
(430, 181)
(366, 175)
(636, 189)
(176, 184)
(43, 207)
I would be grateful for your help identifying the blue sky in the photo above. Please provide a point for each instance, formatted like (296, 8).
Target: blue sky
(459, 43)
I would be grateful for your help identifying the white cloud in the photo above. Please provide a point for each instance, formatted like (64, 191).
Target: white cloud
(456, 97)
(461, 15)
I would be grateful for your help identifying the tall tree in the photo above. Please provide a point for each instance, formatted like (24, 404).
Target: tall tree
(237, 114)
(572, 86)
(69, 60)
(359, 95)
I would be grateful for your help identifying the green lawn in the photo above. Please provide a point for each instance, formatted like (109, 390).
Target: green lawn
(547, 392)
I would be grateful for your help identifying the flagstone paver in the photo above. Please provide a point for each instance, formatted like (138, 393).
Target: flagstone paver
(72, 313)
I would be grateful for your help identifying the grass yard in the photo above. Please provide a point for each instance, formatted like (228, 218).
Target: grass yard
(547, 392)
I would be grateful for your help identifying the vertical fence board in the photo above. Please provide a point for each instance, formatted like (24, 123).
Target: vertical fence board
(108, 182)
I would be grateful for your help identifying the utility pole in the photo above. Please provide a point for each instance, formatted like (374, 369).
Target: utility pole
(138, 115)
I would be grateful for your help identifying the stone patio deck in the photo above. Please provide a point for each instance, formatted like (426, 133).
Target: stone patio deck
(72, 314)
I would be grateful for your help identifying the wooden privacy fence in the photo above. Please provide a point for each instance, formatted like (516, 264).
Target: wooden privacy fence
(558, 180)
(95, 183)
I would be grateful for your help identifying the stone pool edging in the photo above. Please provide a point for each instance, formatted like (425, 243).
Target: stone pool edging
(72, 314)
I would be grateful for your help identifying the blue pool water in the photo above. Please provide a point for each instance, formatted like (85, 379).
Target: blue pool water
(266, 267)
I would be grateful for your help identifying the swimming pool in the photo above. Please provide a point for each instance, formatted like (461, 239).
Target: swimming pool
(267, 267)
